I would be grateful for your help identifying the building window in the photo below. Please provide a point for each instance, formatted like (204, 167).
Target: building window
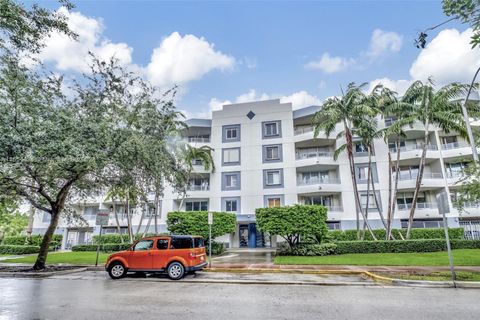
(273, 178)
(273, 201)
(47, 217)
(90, 212)
(231, 204)
(371, 201)
(196, 206)
(326, 201)
(405, 200)
(361, 172)
(272, 153)
(334, 225)
(231, 133)
(231, 156)
(423, 223)
(231, 180)
(271, 129)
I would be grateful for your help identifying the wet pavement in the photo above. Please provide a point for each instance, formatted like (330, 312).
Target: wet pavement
(91, 295)
(246, 256)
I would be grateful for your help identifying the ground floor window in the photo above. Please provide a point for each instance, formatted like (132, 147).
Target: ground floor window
(424, 223)
(196, 206)
(333, 225)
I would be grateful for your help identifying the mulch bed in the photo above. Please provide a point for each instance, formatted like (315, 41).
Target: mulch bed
(28, 269)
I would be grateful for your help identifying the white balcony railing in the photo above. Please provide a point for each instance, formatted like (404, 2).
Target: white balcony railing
(454, 145)
(334, 208)
(198, 139)
(312, 153)
(197, 187)
(413, 176)
(317, 180)
(302, 129)
(420, 206)
(414, 147)
(454, 174)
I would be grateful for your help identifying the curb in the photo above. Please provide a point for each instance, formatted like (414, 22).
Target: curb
(40, 274)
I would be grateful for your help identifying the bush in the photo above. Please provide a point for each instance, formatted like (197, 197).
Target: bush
(34, 240)
(106, 247)
(16, 249)
(303, 249)
(217, 248)
(294, 222)
(433, 233)
(195, 223)
(419, 245)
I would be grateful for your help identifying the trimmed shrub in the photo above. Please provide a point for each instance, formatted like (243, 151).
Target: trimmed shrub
(195, 223)
(34, 240)
(15, 249)
(294, 222)
(427, 233)
(107, 247)
(303, 249)
(217, 248)
(419, 245)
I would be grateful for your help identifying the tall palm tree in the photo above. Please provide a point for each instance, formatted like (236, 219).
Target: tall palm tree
(432, 108)
(129, 195)
(345, 110)
(190, 155)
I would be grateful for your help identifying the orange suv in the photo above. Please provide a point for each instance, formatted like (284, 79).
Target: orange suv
(174, 255)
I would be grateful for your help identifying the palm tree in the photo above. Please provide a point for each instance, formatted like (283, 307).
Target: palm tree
(192, 154)
(129, 194)
(441, 109)
(345, 110)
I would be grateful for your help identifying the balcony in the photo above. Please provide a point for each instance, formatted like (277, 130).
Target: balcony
(195, 187)
(318, 180)
(419, 206)
(455, 145)
(414, 147)
(301, 154)
(198, 139)
(302, 129)
(411, 176)
(334, 208)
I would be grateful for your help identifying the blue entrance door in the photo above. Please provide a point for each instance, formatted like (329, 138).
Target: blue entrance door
(252, 235)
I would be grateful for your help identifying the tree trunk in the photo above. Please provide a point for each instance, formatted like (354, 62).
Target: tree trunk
(349, 141)
(418, 182)
(141, 219)
(47, 238)
(369, 169)
(379, 206)
(129, 221)
(156, 211)
(117, 221)
(395, 188)
(149, 222)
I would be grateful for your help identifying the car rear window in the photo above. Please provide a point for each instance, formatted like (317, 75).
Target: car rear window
(162, 244)
(198, 242)
(181, 243)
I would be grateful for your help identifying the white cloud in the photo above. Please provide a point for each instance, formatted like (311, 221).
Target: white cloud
(68, 54)
(399, 86)
(447, 58)
(252, 95)
(180, 59)
(383, 42)
(301, 99)
(329, 64)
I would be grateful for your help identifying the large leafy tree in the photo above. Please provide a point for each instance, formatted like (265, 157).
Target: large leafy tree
(12, 222)
(55, 147)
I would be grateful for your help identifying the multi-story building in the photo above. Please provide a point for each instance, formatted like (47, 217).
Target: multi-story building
(265, 154)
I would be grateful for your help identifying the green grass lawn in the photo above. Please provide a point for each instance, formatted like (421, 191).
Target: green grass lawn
(463, 257)
(80, 258)
(434, 276)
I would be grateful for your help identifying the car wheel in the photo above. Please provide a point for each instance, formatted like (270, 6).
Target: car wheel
(116, 270)
(175, 271)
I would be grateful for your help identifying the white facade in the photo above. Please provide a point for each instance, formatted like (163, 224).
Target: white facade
(265, 154)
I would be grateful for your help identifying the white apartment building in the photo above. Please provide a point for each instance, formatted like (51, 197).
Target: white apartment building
(265, 154)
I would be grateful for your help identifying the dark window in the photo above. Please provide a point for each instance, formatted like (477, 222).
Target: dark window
(162, 244)
(198, 242)
(181, 243)
(143, 245)
(231, 205)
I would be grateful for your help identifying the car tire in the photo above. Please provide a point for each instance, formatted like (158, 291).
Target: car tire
(116, 270)
(175, 271)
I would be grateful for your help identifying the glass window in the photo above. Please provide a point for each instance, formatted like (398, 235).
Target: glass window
(371, 201)
(162, 244)
(231, 180)
(362, 173)
(196, 206)
(143, 245)
(271, 129)
(447, 140)
(273, 178)
(231, 133)
(272, 153)
(231, 155)
(274, 202)
(231, 205)
(360, 147)
(181, 243)
(198, 242)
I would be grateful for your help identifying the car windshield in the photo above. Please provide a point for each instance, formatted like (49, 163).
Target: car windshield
(143, 245)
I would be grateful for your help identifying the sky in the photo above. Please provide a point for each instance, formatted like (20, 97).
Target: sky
(302, 52)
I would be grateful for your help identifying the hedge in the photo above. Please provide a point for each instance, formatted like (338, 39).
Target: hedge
(419, 245)
(15, 249)
(323, 249)
(196, 223)
(107, 247)
(34, 240)
(432, 233)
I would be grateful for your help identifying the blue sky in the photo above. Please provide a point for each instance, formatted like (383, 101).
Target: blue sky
(266, 49)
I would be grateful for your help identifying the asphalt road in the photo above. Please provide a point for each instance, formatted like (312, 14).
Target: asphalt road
(93, 296)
